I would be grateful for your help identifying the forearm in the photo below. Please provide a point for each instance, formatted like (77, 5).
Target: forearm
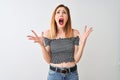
(46, 54)
(79, 52)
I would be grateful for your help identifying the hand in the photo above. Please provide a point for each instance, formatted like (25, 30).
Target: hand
(36, 38)
(86, 33)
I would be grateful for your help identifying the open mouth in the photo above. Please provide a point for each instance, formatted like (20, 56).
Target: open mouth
(61, 21)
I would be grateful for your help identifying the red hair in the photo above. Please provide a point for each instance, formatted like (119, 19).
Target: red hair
(68, 26)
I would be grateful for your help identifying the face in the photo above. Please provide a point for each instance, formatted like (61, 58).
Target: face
(61, 17)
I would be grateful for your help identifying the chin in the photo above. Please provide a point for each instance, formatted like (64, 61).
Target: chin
(61, 26)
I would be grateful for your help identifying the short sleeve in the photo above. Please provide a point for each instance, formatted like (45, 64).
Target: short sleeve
(76, 41)
(47, 41)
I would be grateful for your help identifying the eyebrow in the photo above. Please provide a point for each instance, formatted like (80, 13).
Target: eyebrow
(62, 10)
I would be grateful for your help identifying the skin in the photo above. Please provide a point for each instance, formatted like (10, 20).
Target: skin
(61, 13)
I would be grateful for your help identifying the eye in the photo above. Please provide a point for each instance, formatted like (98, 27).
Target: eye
(58, 12)
(64, 12)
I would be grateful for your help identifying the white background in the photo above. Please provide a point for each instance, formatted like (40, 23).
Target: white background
(21, 59)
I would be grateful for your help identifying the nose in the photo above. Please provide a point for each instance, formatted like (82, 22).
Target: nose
(61, 14)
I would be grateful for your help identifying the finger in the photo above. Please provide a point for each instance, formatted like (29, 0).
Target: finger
(29, 36)
(35, 41)
(85, 28)
(42, 34)
(79, 34)
(34, 33)
(90, 30)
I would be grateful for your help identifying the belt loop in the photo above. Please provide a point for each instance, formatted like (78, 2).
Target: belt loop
(69, 70)
(55, 68)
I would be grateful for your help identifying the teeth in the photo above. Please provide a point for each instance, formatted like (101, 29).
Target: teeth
(61, 21)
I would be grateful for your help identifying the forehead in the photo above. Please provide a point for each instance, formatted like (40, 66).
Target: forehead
(61, 9)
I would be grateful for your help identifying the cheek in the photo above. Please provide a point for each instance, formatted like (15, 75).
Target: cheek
(66, 19)
(56, 18)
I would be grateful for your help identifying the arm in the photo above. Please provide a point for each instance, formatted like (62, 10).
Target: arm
(79, 49)
(46, 53)
(40, 41)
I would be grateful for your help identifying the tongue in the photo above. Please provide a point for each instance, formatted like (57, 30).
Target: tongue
(61, 23)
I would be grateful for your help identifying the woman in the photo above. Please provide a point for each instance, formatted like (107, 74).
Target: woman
(61, 45)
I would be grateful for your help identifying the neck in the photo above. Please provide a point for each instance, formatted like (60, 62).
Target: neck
(61, 31)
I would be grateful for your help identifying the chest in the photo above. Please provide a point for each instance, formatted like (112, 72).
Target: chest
(62, 46)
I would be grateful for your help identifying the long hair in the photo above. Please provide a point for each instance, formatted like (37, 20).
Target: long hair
(68, 26)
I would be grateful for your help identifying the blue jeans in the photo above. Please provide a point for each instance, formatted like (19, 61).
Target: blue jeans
(53, 75)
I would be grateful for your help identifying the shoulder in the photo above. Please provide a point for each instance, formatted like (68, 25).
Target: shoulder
(47, 33)
(75, 32)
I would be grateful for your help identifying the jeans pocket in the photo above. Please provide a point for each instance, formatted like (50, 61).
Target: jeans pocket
(73, 76)
(52, 75)
(51, 72)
